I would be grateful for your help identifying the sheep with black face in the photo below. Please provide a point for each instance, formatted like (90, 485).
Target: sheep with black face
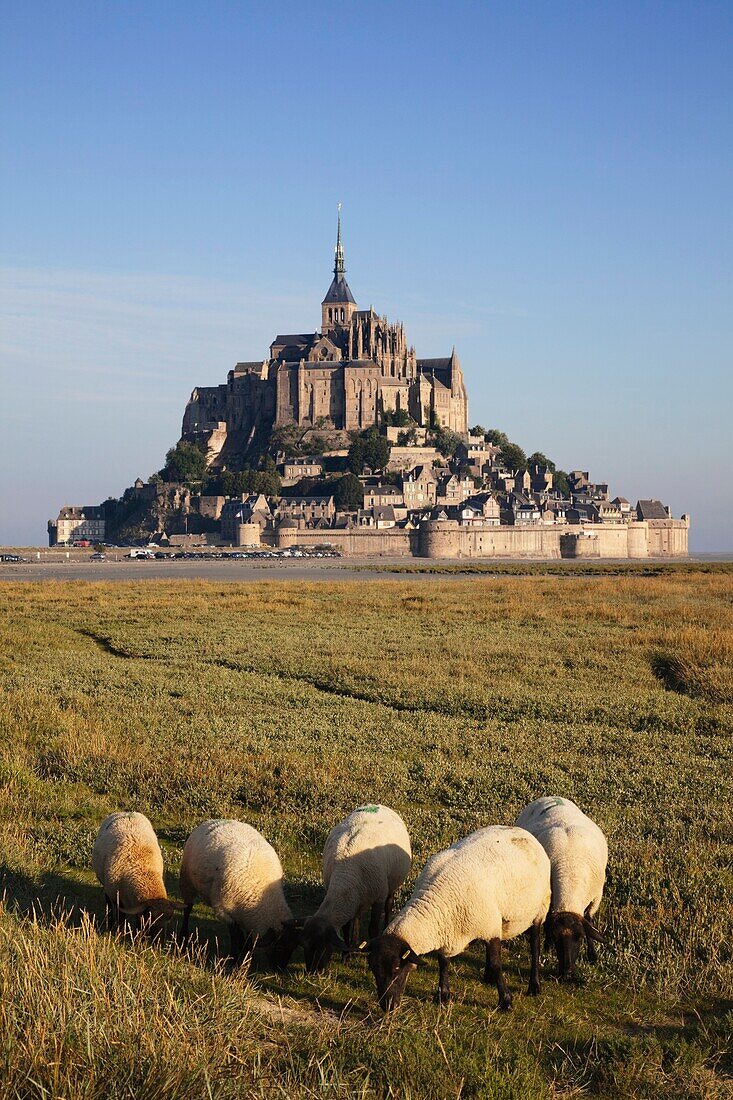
(490, 886)
(128, 862)
(578, 854)
(366, 859)
(234, 869)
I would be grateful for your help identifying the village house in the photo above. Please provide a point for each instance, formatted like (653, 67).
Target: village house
(294, 470)
(482, 509)
(623, 506)
(419, 488)
(452, 489)
(308, 508)
(77, 523)
(375, 495)
(525, 510)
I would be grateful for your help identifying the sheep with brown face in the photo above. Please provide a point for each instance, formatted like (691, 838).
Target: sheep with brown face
(578, 854)
(366, 859)
(127, 860)
(491, 886)
(234, 869)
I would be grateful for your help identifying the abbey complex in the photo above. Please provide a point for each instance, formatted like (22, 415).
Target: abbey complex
(343, 438)
(353, 373)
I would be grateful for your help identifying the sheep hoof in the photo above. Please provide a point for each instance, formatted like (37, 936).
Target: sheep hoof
(505, 1004)
(442, 997)
(534, 988)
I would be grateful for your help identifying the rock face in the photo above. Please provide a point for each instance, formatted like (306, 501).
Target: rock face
(145, 511)
(352, 373)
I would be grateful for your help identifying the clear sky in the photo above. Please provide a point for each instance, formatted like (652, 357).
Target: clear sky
(545, 185)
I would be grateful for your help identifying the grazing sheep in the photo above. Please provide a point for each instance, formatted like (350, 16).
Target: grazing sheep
(490, 886)
(233, 868)
(365, 861)
(127, 860)
(578, 854)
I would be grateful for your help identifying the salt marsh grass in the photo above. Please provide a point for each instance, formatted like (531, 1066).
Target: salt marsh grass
(289, 704)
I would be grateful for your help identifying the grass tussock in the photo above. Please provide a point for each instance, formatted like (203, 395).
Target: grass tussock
(699, 663)
(286, 705)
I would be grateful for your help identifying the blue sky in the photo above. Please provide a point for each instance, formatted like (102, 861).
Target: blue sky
(545, 185)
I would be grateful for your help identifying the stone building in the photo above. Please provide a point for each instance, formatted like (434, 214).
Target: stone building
(348, 375)
(77, 523)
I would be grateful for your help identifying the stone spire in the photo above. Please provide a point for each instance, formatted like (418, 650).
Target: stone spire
(338, 306)
(338, 268)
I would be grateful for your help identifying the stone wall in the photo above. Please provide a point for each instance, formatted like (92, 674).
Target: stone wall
(657, 538)
(361, 541)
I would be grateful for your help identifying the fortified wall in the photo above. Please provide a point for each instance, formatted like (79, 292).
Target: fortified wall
(648, 539)
(446, 539)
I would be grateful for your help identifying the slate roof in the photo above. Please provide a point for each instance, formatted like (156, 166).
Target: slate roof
(338, 292)
(651, 509)
(433, 364)
(293, 339)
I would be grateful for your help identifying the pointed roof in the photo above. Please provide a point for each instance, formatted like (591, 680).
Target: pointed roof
(339, 288)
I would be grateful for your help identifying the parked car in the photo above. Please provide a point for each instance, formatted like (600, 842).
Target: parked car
(97, 557)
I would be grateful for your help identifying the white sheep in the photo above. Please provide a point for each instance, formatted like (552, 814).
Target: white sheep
(239, 875)
(578, 854)
(490, 886)
(366, 859)
(127, 860)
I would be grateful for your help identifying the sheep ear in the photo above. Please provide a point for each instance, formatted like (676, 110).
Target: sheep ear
(593, 933)
(409, 958)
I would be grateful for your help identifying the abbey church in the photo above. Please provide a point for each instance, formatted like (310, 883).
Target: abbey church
(348, 376)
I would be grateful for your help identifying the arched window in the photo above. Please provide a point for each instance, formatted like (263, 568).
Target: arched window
(342, 314)
(330, 314)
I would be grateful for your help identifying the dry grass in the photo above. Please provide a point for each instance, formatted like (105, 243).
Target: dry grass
(287, 705)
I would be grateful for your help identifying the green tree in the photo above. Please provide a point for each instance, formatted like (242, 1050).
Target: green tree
(369, 449)
(400, 418)
(446, 441)
(186, 462)
(349, 493)
(513, 457)
(560, 482)
(538, 459)
(478, 429)
(499, 439)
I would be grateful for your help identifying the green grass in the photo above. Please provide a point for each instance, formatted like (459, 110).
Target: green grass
(288, 704)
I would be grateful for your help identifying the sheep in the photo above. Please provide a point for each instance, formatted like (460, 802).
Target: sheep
(578, 854)
(490, 886)
(127, 860)
(366, 859)
(238, 874)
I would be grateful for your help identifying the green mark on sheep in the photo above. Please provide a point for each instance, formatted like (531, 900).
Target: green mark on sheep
(369, 809)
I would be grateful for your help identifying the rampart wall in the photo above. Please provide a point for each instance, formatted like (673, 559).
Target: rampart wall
(654, 538)
(446, 539)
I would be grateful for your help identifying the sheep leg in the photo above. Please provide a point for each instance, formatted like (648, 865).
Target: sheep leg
(375, 920)
(590, 947)
(185, 933)
(388, 909)
(494, 974)
(442, 997)
(534, 946)
(237, 947)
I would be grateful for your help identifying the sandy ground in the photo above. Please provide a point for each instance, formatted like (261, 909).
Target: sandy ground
(79, 568)
(330, 569)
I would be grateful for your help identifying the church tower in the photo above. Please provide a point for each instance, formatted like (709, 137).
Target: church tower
(338, 305)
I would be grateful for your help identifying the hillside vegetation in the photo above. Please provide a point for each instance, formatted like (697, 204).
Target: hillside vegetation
(455, 702)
